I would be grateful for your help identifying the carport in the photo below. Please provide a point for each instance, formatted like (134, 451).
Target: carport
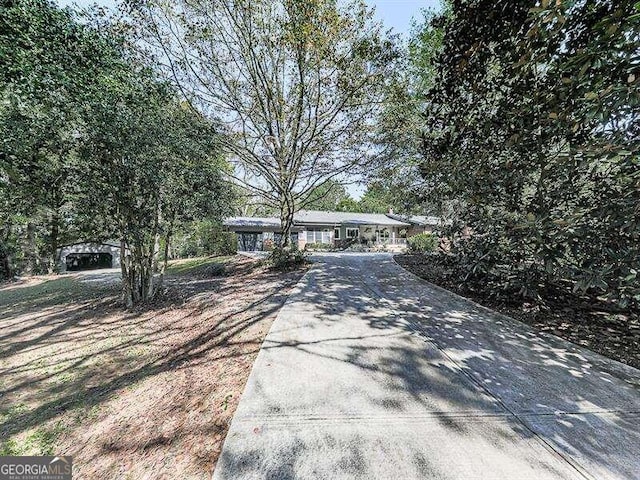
(89, 256)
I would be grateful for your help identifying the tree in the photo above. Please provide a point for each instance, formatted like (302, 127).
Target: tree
(296, 84)
(95, 146)
(348, 205)
(376, 199)
(48, 59)
(329, 196)
(153, 165)
(532, 129)
(401, 125)
(195, 189)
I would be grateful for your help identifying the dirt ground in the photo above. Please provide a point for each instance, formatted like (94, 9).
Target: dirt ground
(145, 394)
(614, 335)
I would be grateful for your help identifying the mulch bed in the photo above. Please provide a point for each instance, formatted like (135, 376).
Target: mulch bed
(614, 335)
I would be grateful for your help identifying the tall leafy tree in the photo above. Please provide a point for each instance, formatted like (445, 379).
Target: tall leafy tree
(532, 129)
(330, 196)
(48, 60)
(296, 85)
(401, 125)
(95, 146)
(153, 165)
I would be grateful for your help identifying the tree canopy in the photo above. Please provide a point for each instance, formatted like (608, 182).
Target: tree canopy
(296, 86)
(96, 146)
(518, 122)
(531, 131)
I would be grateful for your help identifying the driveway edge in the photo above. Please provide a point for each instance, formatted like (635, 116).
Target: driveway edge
(632, 370)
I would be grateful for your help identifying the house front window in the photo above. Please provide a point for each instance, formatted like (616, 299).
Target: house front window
(383, 235)
(353, 232)
(336, 234)
(319, 236)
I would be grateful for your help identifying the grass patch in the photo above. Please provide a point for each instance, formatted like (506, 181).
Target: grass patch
(192, 266)
(40, 293)
(42, 441)
(13, 412)
(38, 441)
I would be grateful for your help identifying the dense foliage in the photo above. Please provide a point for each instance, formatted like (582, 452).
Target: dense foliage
(201, 238)
(532, 134)
(518, 120)
(330, 196)
(47, 61)
(422, 243)
(380, 196)
(95, 146)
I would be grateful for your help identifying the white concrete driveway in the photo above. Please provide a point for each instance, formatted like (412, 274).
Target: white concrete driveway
(370, 373)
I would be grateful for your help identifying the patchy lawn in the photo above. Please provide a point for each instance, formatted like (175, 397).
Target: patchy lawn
(200, 265)
(132, 394)
(614, 335)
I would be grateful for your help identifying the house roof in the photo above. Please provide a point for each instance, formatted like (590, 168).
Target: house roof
(315, 217)
(252, 222)
(421, 220)
(346, 218)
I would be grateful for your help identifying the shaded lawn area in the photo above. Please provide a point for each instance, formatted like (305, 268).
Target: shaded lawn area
(614, 335)
(198, 266)
(132, 394)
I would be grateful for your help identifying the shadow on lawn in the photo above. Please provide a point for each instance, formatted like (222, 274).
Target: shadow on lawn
(471, 360)
(81, 347)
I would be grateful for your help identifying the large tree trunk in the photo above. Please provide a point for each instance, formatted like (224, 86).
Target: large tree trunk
(5, 263)
(127, 286)
(156, 243)
(137, 264)
(149, 288)
(53, 243)
(285, 241)
(138, 285)
(286, 220)
(140, 264)
(156, 253)
(6, 272)
(165, 261)
(31, 251)
(167, 251)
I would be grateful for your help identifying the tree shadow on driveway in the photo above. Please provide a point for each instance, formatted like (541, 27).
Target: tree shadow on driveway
(365, 343)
